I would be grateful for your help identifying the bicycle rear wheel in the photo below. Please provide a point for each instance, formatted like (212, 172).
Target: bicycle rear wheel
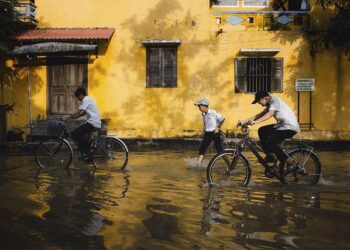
(307, 169)
(229, 168)
(110, 153)
(53, 153)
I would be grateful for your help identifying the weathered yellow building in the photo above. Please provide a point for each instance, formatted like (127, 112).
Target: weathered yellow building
(158, 57)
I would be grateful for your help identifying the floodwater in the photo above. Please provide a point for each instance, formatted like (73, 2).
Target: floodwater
(163, 202)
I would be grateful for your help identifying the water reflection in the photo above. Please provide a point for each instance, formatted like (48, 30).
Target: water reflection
(161, 224)
(258, 219)
(161, 203)
(74, 200)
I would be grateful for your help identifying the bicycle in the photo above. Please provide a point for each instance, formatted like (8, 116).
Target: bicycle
(232, 165)
(56, 151)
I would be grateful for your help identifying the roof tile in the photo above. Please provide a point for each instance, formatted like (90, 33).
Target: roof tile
(63, 34)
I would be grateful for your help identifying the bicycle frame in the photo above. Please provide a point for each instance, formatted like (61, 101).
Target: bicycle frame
(252, 147)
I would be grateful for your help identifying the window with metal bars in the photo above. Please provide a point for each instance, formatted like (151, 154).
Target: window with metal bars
(258, 73)
(161, 67)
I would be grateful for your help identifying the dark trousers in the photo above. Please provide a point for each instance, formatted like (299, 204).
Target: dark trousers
(207, 139)
(271, 138)
(82, 136)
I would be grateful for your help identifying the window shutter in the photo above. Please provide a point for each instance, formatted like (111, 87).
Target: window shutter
(277, 74)
(169, 67)
(154, 67)
(241, 75)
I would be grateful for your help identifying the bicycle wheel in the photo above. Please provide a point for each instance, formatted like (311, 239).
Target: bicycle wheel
(307, 169)
(110, 153)
(53, 153)
(228, 168)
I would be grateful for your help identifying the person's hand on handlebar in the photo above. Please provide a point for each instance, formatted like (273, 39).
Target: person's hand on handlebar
(251, 122)
(63, 119)
(244, 122)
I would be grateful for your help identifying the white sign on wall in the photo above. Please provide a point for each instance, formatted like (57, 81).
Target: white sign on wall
(305, 84)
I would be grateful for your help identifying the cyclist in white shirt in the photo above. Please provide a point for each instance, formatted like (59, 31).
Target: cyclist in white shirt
(272, 135)
(87, 107)
(212, 121)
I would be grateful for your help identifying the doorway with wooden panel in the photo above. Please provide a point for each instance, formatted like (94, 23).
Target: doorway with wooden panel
(64, 75)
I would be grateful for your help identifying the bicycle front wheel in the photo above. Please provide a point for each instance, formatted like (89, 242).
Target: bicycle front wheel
(229, 168)
(307, 167)
(53, 153)
(110, 153)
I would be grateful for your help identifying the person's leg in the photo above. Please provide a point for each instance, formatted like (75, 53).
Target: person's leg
(273, 142)
(275, 139)
(264, 133)
(80, 135)
(207, 138)
(218, 142)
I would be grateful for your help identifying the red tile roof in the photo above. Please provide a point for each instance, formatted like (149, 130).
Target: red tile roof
(64, 34)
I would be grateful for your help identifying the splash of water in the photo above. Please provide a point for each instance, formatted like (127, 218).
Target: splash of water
(192, 163)
(323, 182)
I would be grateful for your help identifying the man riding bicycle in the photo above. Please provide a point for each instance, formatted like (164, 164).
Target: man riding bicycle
(271, 136)
(89, 108)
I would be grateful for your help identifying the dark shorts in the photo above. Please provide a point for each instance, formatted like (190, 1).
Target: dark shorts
(207, 139)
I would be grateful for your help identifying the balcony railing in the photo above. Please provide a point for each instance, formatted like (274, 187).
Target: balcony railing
(263, 19)
(27, 12)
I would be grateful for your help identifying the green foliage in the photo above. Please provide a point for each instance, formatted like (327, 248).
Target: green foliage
(333, 3)
(9, 23)
(338, 31)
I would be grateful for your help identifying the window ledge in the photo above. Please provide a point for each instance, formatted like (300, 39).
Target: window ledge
(259, 51)
(153, 42)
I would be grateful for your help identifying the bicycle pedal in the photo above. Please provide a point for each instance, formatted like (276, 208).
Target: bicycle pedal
(270, 172)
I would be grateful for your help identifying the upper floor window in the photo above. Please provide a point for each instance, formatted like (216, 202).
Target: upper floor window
(258, 73)
(225, 3)
(161, 66)
(255, 3)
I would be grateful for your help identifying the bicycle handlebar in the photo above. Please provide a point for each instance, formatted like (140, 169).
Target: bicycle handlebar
(244, 127)
(56, 122)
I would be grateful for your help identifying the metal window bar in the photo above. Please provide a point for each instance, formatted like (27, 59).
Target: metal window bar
(259, 74)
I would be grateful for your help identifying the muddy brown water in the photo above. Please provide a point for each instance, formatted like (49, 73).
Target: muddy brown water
(163, 202)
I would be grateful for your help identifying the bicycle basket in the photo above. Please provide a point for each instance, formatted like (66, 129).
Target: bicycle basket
(54, 127)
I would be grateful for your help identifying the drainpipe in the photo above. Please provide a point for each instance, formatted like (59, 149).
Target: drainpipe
(29, 95)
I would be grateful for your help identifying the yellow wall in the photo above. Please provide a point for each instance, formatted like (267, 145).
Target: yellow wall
(117, 78)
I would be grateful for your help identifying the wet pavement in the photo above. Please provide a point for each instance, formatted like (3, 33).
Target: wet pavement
(164, 203)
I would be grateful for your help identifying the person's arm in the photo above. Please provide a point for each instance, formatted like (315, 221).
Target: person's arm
(253, 118)
(265, 117)
(77, 114)
(217, 130)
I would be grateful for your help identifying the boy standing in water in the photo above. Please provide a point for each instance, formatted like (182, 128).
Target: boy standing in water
(212, 122)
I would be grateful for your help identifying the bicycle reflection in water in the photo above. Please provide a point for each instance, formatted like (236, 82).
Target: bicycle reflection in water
(73, 203)
(256, 217)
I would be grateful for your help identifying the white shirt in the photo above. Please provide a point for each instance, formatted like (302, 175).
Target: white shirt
(93, 116)
(211, 120)
(284, 116)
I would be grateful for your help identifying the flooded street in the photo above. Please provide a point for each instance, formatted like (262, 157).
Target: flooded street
(164, 203)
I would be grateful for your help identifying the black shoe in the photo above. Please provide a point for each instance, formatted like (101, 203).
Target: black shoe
(270, 158)
(85, 157)
(270, 172)
(281, 177)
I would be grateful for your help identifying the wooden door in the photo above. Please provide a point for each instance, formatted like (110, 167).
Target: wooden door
(64, 77)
